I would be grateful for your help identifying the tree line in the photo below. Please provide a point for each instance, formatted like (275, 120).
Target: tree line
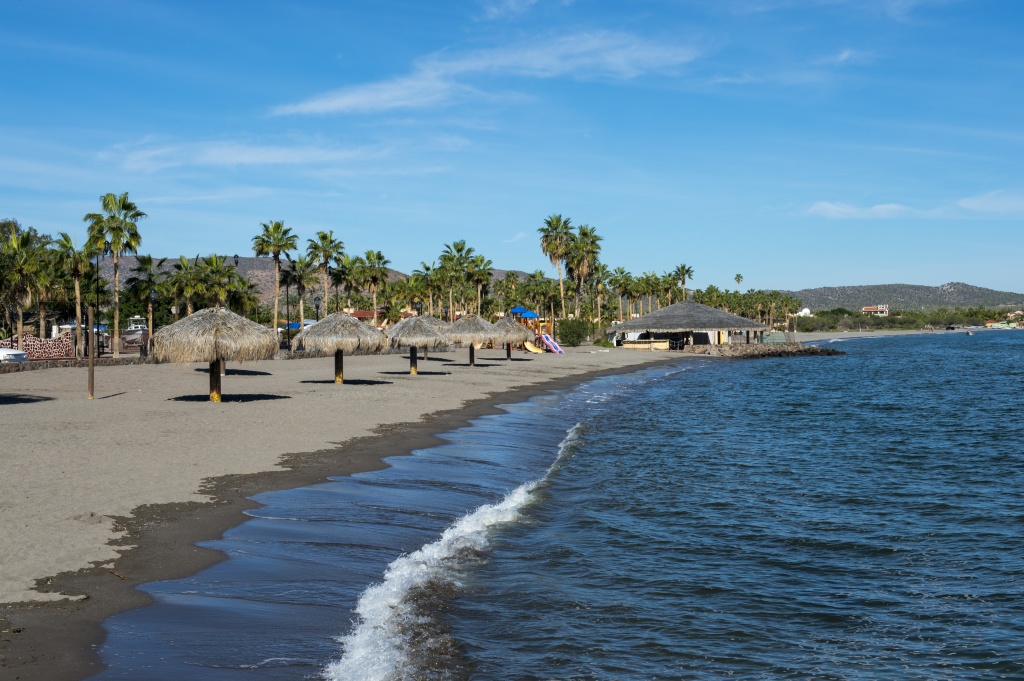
(55, 276)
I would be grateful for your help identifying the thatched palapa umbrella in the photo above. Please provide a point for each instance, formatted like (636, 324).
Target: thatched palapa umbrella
(439, 324)
(511, 332)
(416, 332)
(340, 333)
(471, 330)
(214, 335)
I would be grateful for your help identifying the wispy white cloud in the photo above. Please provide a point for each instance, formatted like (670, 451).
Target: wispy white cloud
(844, 57)
(518, 237)
(498, 9)
(997, 202)
(148, 158)
(438, 78)
(829, 209)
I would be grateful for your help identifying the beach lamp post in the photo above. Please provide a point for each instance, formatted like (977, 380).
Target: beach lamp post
(419, 308)
(287, 303)
(236, 261)
(316, 306)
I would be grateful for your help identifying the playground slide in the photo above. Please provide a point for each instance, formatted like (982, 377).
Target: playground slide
(532, 348)
(552, 345)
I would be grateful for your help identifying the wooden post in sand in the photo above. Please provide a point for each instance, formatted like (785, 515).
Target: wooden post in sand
(92, 354)
(215, 380)
(412, 360)
(339, 366)
(472, 355)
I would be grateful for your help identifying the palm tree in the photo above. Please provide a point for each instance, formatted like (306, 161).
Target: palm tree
(75, 263)
(555, 236)
(346, 275)
(600, 278)
(216, 280)
(46, 277)
(186, 282)
(426, 275)
(681, 273)
(147, 275)
(479, 273)
(375, 275)
(582, 254)
(275, 240)
(116, 226)
(302, 275)
(20, 263)
(738, 279)
(619, 280)
(323, 250)
(455, 260)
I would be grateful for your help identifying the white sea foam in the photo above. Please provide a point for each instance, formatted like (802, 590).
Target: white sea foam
(378, 647)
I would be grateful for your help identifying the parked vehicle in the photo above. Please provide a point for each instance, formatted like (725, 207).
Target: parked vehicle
(9, 356)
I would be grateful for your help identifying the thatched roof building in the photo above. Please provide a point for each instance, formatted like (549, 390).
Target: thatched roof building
(214, 335)
(691, 322)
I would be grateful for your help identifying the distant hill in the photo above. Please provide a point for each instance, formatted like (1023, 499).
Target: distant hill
(907, 297)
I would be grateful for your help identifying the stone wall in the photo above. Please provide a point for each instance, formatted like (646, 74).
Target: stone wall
(43, 348)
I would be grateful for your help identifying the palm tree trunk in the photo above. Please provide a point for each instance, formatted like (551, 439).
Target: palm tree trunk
(149, 312)
(117, 308)
(374, 306)
(479, 299)
(561, 290)
(430, 302)
(42, 319)
(277, 289)
(79, 347)
(326, 297)
(451, 305)
(21, 325)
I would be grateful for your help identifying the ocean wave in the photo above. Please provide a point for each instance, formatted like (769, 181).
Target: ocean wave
(398, 633)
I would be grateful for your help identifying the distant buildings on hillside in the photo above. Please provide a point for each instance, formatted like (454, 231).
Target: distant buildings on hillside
(876, 310)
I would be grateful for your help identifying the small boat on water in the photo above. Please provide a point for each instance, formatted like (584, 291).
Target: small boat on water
(970, 333)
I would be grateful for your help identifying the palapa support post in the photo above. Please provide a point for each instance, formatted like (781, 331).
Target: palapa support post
(472, 355)
(508, 351)
(215, 380)
(426, 355)
(412, 360)
(92, 354)
(339, 366)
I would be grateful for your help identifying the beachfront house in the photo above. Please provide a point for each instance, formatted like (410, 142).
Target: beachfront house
(686, 323)
(876, 310)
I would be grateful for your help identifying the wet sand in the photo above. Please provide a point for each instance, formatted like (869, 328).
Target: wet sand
(100, 496)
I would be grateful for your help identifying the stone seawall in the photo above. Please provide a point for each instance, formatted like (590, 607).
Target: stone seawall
(33, 365)
(757, 351)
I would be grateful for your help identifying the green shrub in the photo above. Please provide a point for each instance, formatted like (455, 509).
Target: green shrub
(604, 343)
(572, 332)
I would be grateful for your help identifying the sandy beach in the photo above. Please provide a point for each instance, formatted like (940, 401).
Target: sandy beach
(99, 496)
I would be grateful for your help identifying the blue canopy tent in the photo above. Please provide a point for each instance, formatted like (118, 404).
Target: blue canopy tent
(518, 309)
(530, 314)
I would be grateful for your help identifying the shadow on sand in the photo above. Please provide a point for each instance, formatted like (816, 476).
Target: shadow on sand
(352, 381)
(253, 397)
(236, 372)
(22, 399)
(421, 373)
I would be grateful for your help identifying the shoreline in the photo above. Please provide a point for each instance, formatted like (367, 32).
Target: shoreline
(59, 639)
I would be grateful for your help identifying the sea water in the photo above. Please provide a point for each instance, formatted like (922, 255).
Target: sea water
(854, 517)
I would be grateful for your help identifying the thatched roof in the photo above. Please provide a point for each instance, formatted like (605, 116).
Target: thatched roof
(512, 331)
(212, 334)
(341, 332)
(688, 316)
(439, 324)
(416, 332)
(472, 329)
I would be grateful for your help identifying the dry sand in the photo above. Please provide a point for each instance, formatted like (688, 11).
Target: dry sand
(72, 467)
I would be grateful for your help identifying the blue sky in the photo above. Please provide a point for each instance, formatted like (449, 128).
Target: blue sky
(800, 143)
